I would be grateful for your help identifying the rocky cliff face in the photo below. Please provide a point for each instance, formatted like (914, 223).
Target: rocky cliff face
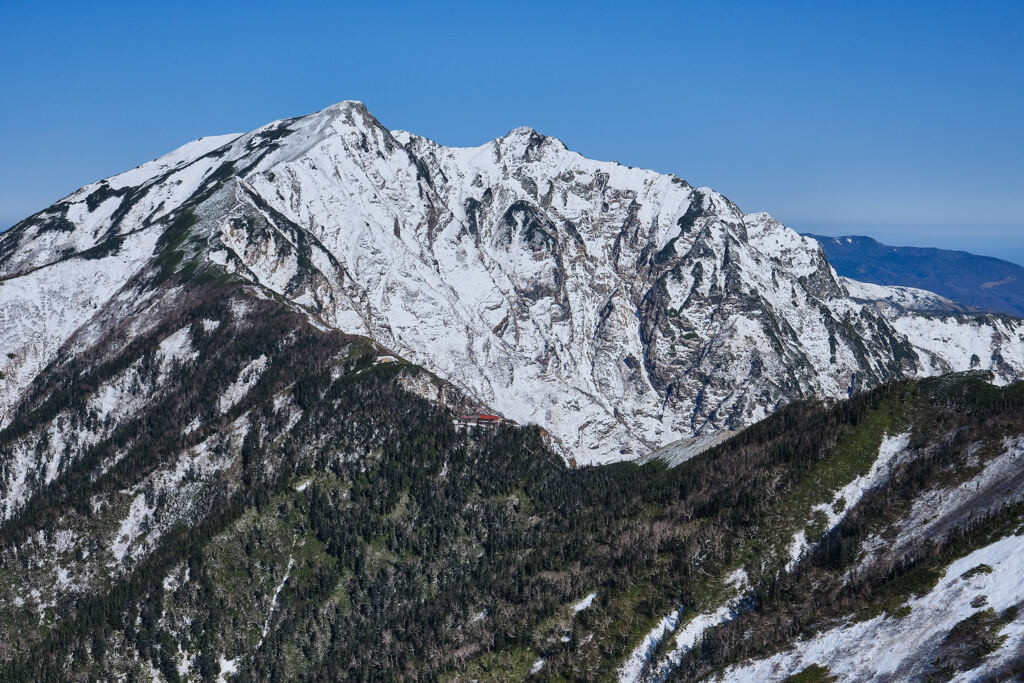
(619, 308)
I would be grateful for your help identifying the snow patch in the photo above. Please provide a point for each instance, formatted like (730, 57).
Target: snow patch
(584, 603)
(228, 667)
(246, 380)
(176, 348)
(632, 669)
(273, 601)
(131, 527)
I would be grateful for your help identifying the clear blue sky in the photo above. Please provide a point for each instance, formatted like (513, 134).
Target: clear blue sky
(904, 121)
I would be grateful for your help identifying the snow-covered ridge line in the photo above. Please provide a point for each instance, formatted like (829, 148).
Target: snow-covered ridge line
(908, 298)
(619, 308)
(945, 335)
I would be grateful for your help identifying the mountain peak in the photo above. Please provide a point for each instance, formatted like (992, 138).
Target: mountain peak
(619, 308)
(527, 143)
(343, 106)
(351, 112)
(523, 131)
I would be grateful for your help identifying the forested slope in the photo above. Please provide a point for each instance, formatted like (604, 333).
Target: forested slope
(327, 522)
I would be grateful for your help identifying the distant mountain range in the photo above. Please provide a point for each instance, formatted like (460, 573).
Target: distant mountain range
(981, 282)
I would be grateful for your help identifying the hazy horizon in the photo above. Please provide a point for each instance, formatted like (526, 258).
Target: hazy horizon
(1001, 241)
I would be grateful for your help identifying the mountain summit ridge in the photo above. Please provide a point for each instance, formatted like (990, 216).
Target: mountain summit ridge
(619, 308)
(982, 283)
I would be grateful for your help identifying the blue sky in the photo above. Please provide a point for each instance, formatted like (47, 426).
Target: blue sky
(898, 120)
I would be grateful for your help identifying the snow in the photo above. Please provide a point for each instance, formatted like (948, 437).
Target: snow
(63, 578)
(849, 495)
(889, 647)
(273, 601)
(684, 638)
(246, 380)
(184, 664)
(947, 341)
(176, 348)
(688, 636)
(910, 298)
(41, 310)
(632, 669)
(680, 451)
(131, 527)
(1001, 661)
(192, 426)
(172, 580)
(955, 341)
(228, 667)
(180, 483)
(935, 507)
(737, 579)
(584, 603)
(185, 154)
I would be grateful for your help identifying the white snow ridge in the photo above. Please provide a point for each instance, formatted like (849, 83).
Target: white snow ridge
(620, 309)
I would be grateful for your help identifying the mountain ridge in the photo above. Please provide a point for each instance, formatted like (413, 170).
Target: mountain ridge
(618, 308)
(984, 283)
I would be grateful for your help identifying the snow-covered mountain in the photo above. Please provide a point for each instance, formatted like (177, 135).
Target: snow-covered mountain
(945, 336)
(619, 308)
(227, 385)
